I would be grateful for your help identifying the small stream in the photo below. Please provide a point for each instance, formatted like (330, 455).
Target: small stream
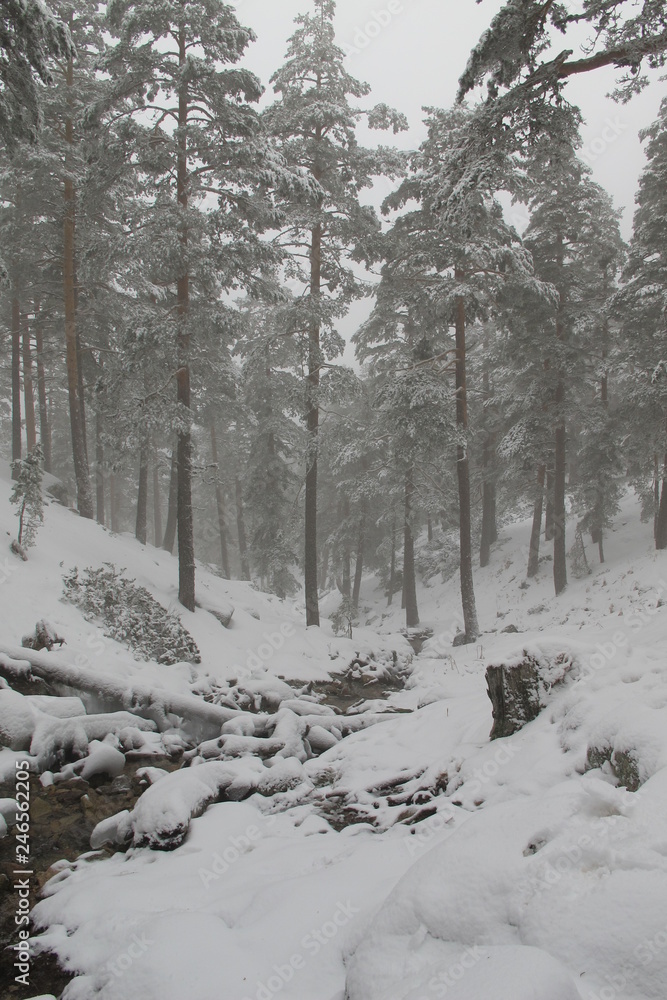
(64, 814)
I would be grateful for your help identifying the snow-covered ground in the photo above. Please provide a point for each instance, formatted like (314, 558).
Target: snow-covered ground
(474, 869)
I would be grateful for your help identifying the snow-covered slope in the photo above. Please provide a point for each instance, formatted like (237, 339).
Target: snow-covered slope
(472, 870)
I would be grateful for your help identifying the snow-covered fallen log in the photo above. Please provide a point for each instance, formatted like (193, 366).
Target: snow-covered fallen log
(161, 818)
(200, 719)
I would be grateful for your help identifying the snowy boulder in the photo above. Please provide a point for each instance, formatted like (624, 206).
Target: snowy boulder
(519, 686)
(219, 608)
(17, 720)
(631, 743)
(161, 818)
(320, 739)
(8, 810)
(284, 775)
(61, 739)
(102, 762)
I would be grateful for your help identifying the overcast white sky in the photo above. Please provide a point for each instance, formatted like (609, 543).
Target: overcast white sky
(412, 53)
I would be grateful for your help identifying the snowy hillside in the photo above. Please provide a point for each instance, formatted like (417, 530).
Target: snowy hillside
(389, 851)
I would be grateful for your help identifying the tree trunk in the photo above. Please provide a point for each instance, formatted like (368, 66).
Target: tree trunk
(99, 467)
(240, 527)
(359, 565)
(170, 530)
(489, 532)
(141, 528)
(661, 527)
(44, 423)
(392, 564)
(489, 528)
(463, 475)
(324, 568)
(113, 504)
(220, 503)
(534, 551)
(16, 385)
(560, 564)
(549, 527)
(83, 490)
(184, 514)
(79, 367)
(157, 502)
(429, 527)
(656, 496)
(347, 580)
(28, 391)
(312, 425)
(409, 583)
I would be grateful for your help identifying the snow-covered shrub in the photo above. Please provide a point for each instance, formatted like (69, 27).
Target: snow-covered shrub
(130, 614)
(344, 618)
(27, 495)
(439, 557)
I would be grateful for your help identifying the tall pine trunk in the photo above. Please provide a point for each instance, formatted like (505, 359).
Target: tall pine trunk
(312, 425)
(240, 528)
(409, 582)
(184, 513)
(359, 564)
(489, 528)
(661, 525)
(346, 589)
(44, 422)
(549, 528)
(113, 504)
(157, 501)
(99, 469)
(141, 527)
(28, 390)
(81, 473)
(324, 568)
(170, 529)
(534, 551)
(16, 383)
(392, 564)
(463, 475)
(560, 457)
(220, 503)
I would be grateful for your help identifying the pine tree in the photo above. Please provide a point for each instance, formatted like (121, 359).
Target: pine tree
(30, 37)
(573, 227)
(175, 73)
(271, 392)
(315, 126)
(509, 56)
(643, 303)
(454, 257)
(27, 495)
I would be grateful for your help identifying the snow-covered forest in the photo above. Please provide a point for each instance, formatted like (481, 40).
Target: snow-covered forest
(333, 483)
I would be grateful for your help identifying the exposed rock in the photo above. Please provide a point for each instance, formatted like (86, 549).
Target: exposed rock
(44, 637)
(518, 689)
(511, 629)
(623, 763)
